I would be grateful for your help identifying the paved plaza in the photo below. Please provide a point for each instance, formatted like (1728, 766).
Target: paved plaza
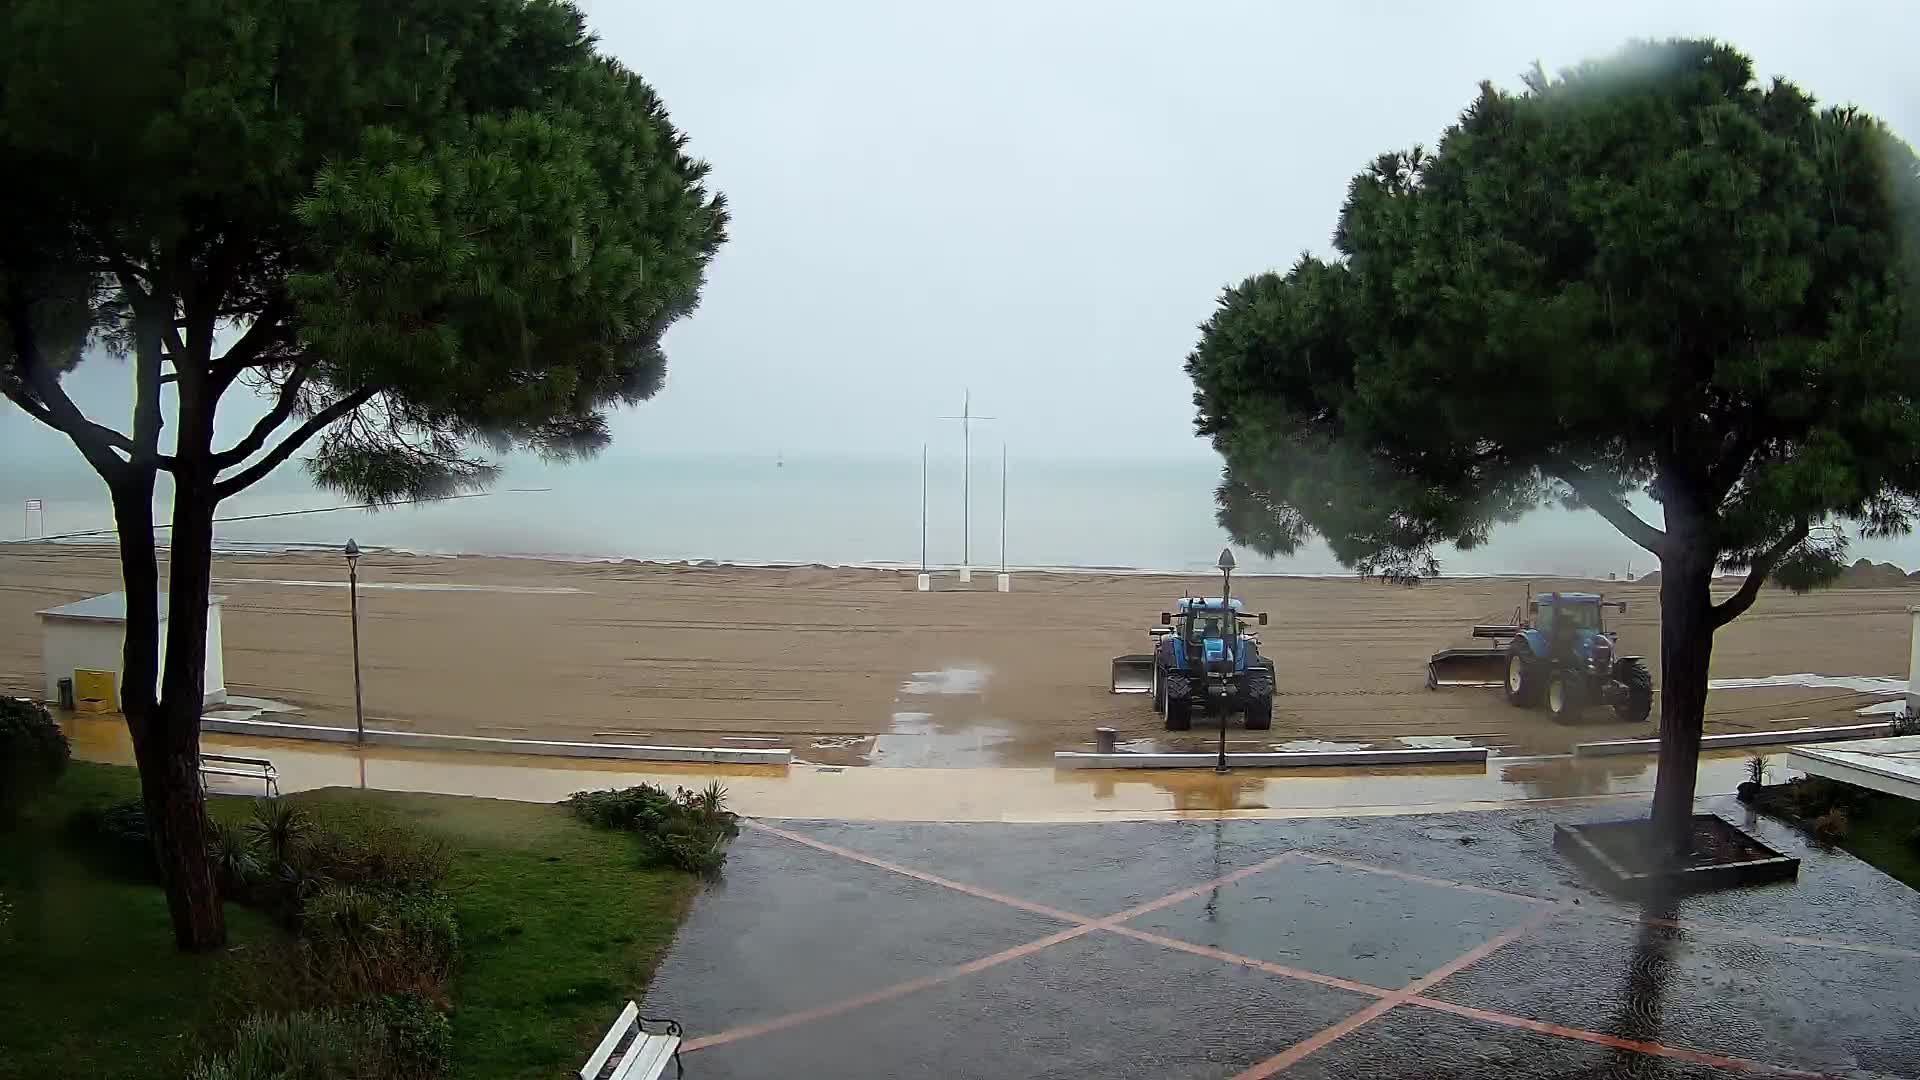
(1440, 945)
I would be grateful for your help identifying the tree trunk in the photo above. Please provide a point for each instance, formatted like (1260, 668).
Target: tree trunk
(169, 769)
(1686, 647)
(166, 750)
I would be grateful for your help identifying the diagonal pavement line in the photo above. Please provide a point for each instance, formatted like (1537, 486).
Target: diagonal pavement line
(1368, 1015)
(885, 993)
(1403, 875)
(920, 875)
(1269, 967)
(1632, 1045)
(1753, 933)
(1083, 926)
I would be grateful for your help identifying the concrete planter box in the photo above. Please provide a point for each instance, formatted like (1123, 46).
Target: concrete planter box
(1591, 848)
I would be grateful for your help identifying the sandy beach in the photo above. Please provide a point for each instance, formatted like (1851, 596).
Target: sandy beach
(855, 667)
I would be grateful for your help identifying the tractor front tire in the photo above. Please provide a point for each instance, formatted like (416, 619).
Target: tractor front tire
(1638, 703)
(1259, 706)
(1179, 702)
(1523, 677)
(1566, 697)
(1159, 689)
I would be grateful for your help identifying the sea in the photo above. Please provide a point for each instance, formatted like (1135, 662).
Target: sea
(800, 509)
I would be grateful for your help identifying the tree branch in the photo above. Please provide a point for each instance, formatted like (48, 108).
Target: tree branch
(1594, 495)
(282, 410)
(1736, 605)
(261, 333)
(315, 424)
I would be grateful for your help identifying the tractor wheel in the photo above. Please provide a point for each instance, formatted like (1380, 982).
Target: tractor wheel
(1566, 697)
(1159, 690)
(1259, 707)
(1638, 704)
(1523, 677)
(1179, 704)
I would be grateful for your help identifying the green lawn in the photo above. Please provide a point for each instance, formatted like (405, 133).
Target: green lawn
(1883, 835)
(559, 927)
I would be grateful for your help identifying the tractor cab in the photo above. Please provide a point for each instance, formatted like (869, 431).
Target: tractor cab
(1573, 625)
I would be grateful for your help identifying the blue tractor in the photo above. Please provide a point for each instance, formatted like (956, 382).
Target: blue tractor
(1202, 657)
(1563, 656)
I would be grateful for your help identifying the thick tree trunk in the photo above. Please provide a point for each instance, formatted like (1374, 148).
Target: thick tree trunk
(169, 769)
(165, 748)
(1686, 647)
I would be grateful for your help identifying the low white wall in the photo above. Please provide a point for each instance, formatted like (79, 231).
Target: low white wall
(420, 740)
(1742, 738)
(1279, 759)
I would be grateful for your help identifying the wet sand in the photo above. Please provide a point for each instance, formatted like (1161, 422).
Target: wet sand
(855, 667)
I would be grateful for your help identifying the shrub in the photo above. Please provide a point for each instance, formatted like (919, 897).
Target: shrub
(276, 828)
(386, 857)
(1757, 769)
(322, 1045)
(355, 943)
(240, 870)
(1833, 825)
(33, 754)
(630, 808)
(116, 836)
(688, 829)
(419, 1040)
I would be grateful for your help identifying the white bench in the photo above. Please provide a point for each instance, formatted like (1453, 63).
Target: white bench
(250, 768)
(629, 1052)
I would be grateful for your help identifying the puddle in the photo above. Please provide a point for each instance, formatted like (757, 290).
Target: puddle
(1320, 745)
(1140, 746)
(839, 742)
(916, 741)
(1435, 742)
(247, 708)
(1864, 684)
(953, 680)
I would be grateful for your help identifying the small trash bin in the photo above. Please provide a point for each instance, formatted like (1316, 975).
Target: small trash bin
(1105, 740)
(66, 694)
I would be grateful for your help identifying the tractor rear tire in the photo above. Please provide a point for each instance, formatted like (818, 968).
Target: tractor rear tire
(1179, 702)
(1523, 677)
(1259, 707)
(1638, 704)
(1566, 697)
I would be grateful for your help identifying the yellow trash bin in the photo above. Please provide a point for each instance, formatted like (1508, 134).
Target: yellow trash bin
(93, 692)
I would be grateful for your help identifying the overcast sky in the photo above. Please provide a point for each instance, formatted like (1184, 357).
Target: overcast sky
(1041, 200)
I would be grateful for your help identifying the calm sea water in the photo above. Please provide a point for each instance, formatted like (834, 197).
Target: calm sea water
(839, 511)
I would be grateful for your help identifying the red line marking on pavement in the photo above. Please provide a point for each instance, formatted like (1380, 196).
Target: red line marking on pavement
(1634, 1045)
(1443, 883)
(1270, 968)
(1388, 999)
(887, 993)
(1751, 932)
(1757, 934)
(1201, 889)
(1083, 925)
(1368, 1015)
(920, 875)
(1314, 1042)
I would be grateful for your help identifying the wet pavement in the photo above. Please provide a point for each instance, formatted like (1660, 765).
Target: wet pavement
(1409, 946)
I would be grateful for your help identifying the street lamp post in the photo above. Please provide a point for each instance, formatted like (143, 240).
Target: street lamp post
(353, 602)
(1231, 632)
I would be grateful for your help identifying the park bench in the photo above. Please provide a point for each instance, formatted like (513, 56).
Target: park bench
(245, 767)
(630, 1052)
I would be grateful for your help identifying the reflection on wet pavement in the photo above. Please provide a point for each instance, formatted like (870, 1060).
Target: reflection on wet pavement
(1436, 946)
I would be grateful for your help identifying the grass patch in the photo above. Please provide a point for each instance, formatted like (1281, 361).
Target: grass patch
(1888, 836)
(1880, 829)
(559, 927)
